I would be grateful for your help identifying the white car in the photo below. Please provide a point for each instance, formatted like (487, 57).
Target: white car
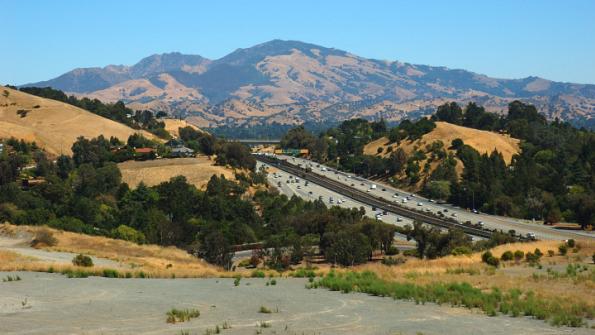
(404, 201)
(399, 219)
(420, 204)
(453, 215)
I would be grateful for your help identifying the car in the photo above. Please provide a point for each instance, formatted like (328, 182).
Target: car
(385, 213)
(310, 192)
(339, 201)
(453, 215)
(362, 184)
(395, 196)
(368, 190)
(445, 210)
(404, 201)
(408, 198)
(299, 187)
(373, 208)
(379, 218)
(399, 219)
(342, 200)
(432, 200)
(428, 210)
(420, 204)
(480, 223)
(384, 189)
(531, 235)
(352, 184)
(288, 181)
(475, 211)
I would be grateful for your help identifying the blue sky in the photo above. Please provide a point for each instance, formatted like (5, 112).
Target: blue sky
(504, 39)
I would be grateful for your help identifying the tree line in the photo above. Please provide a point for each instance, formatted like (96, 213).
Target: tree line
(551, 179)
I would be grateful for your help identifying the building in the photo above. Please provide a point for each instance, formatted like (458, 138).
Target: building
(182, 152)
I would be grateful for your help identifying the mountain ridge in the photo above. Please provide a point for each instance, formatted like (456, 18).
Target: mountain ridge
(295, 81)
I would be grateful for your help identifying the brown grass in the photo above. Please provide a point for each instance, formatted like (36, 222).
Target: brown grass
(54, 125)
(154, 260)
(509, 275)
(481, 140)
(197, 171)
(173, 125)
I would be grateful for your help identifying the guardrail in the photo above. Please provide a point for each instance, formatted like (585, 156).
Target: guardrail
(374, 201)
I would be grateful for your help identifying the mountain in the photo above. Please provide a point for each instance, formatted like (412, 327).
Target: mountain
(291, 82)
(52, 124)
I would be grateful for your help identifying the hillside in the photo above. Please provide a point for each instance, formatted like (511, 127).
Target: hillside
(291, 82)
(53, 125)
(481, 140)
(485, 142)
(172, 126)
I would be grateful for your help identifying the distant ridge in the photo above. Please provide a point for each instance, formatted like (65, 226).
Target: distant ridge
(291, 82)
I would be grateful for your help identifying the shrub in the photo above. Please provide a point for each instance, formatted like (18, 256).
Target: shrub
(551, 253)
(518, 255)
(82, 260)
(110, 273)
(257, 274)
(507, 256)
(493, 261)
(181, 315)
(485, 256)
(392, 251)
(538, 253)
(461, 250)
(236, 281)
(126, 233)
(563, 249)
(44, 237)
(570, 243)
(264, 310)
(392, 261)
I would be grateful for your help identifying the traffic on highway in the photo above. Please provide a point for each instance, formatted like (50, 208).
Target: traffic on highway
(290, 184)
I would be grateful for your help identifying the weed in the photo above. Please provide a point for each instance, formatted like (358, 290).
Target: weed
(513, 302)
(181, 315)
(257, 274)
(264, 310)
(82, 260)
(10, 278)
(236, 281)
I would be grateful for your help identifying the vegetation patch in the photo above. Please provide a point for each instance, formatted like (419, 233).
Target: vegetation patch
(175, 315)
(513, 302)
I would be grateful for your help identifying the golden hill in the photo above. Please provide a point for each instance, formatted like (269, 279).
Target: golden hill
(172, 126)
(52, 124)
(480, 140)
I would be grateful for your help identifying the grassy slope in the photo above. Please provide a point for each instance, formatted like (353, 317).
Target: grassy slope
(54, 125)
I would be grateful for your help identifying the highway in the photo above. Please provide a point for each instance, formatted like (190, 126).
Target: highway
(391, 194)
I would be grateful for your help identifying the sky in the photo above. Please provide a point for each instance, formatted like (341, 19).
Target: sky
(503, 39)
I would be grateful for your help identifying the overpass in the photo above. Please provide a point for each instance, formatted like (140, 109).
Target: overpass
(254, 142)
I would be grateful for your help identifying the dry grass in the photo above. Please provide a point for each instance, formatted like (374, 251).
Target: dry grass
(197, 171)
(173, 125)
(481, 140)
(156, 261)
(510, 275)
(54, 125)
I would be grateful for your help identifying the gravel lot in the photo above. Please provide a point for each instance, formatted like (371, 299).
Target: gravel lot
(51, 304)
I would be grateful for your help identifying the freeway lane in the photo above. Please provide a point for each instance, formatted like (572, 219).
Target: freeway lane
(490, 221)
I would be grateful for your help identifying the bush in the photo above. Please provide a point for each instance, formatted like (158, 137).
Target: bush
(570, 243)
(110, 273)
(392, 261)
(461, 250)
(507, 256)
(82, 260)
(181, 315)
(551, 253)
(392, 251)
(257, 274)
(485, 256)
(126, 233)
(538, 253)
(264, 310)
(563, 249)
(493, 261)
(518, 255)
(44, 237)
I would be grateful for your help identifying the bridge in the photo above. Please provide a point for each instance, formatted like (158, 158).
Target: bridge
(254, 142)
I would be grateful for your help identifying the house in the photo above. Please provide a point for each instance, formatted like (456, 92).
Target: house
(144, 153)
(182, 152)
